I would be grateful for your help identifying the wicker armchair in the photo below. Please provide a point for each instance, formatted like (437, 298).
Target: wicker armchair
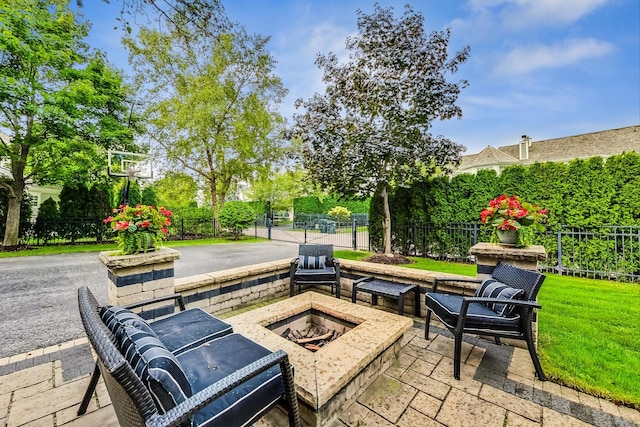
(230, 380)
(178, 332)
(314, 264)
(503, 307)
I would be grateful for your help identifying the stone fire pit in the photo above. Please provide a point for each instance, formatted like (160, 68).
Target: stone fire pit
(334, 376)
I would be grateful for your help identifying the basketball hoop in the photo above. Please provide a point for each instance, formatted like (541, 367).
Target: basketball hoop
(130, 166)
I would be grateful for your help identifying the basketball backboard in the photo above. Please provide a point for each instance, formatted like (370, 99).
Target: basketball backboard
(131, 165)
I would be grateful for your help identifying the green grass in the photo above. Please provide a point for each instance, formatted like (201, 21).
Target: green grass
(589, 330)
(66, 249)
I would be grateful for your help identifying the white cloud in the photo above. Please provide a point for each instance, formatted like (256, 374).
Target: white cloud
(526, 59)
(524, 14)
(547, 12)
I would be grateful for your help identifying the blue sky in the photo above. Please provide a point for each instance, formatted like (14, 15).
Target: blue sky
(544, 68)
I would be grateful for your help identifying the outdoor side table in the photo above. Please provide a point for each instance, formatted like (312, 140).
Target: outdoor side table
(384, 288)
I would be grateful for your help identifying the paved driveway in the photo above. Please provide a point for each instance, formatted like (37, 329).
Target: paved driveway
(38, 293)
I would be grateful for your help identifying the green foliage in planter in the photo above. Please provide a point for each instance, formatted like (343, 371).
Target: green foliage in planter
(236, 217)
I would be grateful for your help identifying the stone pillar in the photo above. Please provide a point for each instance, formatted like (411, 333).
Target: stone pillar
(488, 255)
(140, 277)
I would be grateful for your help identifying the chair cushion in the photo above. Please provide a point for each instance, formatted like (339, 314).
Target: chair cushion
(479, 316)
(327, 274)
(156, 366)
(491, 288)
(312, 262)
(190, 328)
(213, 361)
(116, 318)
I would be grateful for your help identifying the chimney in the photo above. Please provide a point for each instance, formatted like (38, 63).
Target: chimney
(525, 143)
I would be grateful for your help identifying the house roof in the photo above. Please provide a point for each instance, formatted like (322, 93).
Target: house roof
(603, 143)
(488, 156)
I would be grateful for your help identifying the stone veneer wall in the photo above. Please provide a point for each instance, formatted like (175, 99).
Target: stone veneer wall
(227, 290)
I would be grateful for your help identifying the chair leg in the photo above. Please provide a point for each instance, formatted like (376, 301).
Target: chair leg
(534, 357)
(456, 355)
(426, 325)
(498, 342)
(90, 389)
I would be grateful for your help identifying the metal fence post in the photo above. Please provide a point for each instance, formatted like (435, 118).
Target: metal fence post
(268, 221)
(305, 234)
(354, 235)
(475, 233)
(255, 229)
(559, 268)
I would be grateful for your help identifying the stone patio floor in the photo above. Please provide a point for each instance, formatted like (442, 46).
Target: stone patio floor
(497, 388)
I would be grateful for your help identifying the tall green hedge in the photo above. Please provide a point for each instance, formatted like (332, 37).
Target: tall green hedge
(313, 205)
(583, 193)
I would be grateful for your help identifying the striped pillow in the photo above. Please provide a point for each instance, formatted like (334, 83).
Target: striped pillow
(491, 288)
(158, 369)
(116, 318)
(313, 262)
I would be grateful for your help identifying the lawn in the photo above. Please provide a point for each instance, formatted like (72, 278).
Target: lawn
(589, 331)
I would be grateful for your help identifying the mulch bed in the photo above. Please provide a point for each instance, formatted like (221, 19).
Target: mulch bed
(388, 259)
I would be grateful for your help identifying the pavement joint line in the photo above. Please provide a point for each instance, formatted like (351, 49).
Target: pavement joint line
(42, 351)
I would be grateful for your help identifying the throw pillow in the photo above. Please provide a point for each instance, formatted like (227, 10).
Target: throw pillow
(491, 288)
(117, 317)
(313, 262)
(158, 369)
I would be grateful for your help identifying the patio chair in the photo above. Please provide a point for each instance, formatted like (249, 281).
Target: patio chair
(230, 380)
(178, 332)
(314, 264)
(502, 307)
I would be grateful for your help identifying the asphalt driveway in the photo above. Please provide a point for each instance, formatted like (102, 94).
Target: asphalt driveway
(38, 293)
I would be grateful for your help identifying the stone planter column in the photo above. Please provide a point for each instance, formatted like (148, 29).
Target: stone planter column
(140, 277)
(488, 255)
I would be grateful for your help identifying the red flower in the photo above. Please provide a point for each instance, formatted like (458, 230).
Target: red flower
(121, 225)
(145, 224)
(107, 220)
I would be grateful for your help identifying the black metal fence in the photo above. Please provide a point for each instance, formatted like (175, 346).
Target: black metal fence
(63, 231)
(605, 252)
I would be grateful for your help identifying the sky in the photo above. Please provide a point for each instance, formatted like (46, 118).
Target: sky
(544, 68)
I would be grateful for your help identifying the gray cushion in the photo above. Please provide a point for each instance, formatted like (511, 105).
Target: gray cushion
(491, 288)
(479, 316)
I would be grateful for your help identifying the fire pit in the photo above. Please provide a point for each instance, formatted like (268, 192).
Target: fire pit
(312, 329)
(331, 378)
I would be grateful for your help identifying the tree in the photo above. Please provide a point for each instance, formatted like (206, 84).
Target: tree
(236, 216)
(369, 131)
(281, 189)
(211, 104)
(60, 103)
(176, 190)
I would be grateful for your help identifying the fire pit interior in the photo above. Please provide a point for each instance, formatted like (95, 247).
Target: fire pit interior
(312, 329)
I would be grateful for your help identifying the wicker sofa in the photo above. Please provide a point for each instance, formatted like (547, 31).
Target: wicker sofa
(229, 380)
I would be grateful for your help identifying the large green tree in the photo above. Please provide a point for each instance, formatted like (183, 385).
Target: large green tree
(60, 103)
(369, 131)
(210, 104)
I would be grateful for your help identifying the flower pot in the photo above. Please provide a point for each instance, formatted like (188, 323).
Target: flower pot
(508, 237)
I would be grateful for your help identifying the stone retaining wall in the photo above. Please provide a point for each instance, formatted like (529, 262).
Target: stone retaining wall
(227, 290)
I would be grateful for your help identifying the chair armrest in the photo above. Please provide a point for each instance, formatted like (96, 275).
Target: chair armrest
(362, 279)
(437, 280)
(294, 261)
(185, 410)
(177, 297)
(521, 303)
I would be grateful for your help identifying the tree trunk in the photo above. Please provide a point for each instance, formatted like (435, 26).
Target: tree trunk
(12, 230)
(214, 205)
(386, 221)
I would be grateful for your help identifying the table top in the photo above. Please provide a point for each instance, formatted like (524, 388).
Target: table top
(383, 286)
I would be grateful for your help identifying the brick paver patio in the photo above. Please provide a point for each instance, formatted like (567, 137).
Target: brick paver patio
(497, 388)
